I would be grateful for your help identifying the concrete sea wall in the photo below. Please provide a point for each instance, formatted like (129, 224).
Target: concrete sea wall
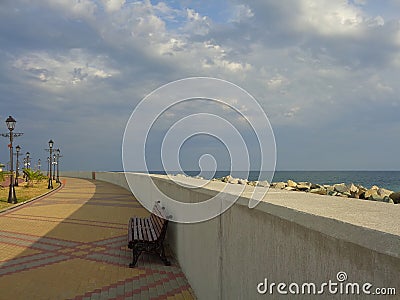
(290, 237)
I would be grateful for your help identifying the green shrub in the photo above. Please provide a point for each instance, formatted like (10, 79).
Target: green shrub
(32, 176)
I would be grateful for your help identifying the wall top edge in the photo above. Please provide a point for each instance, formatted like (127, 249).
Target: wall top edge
(375, 225)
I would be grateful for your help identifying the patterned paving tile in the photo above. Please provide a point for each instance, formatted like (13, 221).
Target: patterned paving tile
(72, 245)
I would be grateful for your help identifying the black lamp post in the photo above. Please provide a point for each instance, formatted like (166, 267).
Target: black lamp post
(51, 143)
(58, 168)
(48, 166)
(39, 165)
(12, 198)
(23, 176)
(54, 166)
(17, 149)
(27, 164)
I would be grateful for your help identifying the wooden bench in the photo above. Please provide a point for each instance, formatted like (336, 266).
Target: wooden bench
(147, 234)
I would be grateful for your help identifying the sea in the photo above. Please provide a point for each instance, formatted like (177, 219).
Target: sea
(385, 179)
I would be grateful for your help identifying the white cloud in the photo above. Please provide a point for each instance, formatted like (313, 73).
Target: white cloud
(217, 57)
(384, 88)
(148, 26)
(166, 11)
(197, 24)
(84, 9)
(60, 71)
(330, 17)
(309, 63)
(292, 112)
(360, 2)
(113, 5)
(277, 82)
(242, 12)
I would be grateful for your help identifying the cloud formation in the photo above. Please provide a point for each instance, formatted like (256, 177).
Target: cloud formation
(76, 69)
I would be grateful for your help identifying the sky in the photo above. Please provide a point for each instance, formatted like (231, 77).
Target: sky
(326, 73)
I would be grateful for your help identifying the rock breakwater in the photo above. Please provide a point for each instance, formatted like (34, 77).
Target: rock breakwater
(344, 190)
(351, 190)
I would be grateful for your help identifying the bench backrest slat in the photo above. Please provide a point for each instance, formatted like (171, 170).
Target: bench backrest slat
(152, 228)
(139, 229)
(149, 229)
(159, 223)
(131, 235)
(135, 235)
(144, 229)
(159, 211)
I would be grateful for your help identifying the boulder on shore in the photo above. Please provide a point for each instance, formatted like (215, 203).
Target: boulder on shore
(341, 188)
(263, 183)
(234, 181)
(361, 192)
(303, 186)
(371, 192)
(319, 191)
(384, 192)
(242, 181)
(280, 185)
(291, 183)
(314, 186)
(226, 178)
(395, 197)
(289, 188)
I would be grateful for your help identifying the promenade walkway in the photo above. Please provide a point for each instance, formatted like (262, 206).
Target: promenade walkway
(71, 244)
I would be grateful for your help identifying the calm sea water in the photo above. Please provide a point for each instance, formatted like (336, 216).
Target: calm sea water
(386, 179)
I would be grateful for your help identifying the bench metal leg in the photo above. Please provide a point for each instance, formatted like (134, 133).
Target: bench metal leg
(135, 256)
(139, 247)
(163, 257)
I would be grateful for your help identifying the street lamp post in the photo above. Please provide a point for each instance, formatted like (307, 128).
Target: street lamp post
(27, 164)
(12, 198)
(50, 186)
(10, 126)
(58, 168)
(54, 166)
(17, 149)
(23, 176)
(48, 166)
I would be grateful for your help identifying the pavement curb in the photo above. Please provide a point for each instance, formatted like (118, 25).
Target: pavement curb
(60, 186)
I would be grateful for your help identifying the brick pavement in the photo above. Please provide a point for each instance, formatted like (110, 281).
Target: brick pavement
(72, 244)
